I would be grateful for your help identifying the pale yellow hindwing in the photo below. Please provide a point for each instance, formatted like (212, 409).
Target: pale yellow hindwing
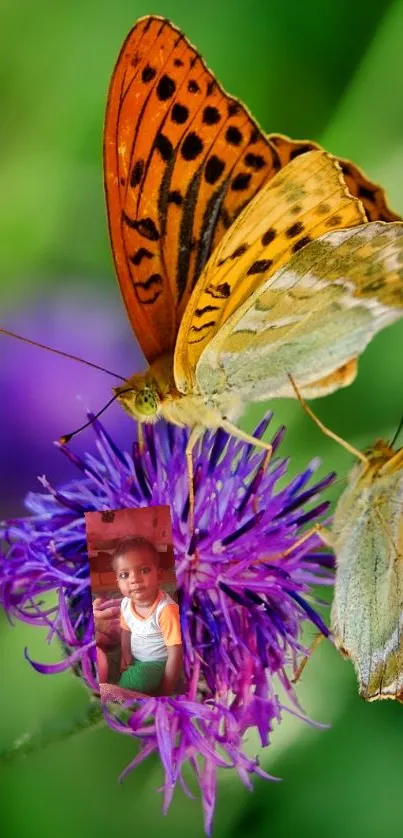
(307, 198)
(312, 317)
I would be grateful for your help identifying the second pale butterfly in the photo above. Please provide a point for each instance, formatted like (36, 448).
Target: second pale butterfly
(367, 537)
(241, 257)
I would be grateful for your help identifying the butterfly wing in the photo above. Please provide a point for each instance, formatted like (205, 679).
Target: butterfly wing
(181, 160)
(311, 317)
(371, 195)
(304, 200)
(367, 610)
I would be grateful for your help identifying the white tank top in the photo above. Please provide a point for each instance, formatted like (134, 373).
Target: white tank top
(147, 641)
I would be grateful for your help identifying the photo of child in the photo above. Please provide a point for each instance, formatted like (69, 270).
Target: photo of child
(136, 614)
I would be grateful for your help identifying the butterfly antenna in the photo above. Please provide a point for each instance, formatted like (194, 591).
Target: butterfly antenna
(324, 428)
(59, 352)
(397, 433)
(67, 437)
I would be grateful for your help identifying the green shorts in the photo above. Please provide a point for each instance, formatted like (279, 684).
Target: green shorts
(143, 676)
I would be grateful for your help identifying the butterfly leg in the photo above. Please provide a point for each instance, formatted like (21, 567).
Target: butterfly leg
(325, 534)
(315, 643)
(140, 437)
(195, 434)
(267, 446)
(233, 430)
(325, 430)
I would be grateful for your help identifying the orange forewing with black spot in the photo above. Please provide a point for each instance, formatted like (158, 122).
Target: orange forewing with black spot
(181, 159)
(370, 194)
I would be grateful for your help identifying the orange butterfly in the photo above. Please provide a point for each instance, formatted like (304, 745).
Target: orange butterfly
(223, 239)
(182, 159)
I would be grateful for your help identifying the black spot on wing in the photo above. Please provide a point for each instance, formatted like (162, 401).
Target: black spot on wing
(233, 108)
(146, 226)
(137, 173)
(225, 218)
(239, 251)
(322, 209)
(254, 161)
(364, 192)
(269, 236)
(205, 310)
(295, 230)
(193, 87)
(241, 182)
(148, 74)
(219, 292)
(179, 113)
(154, 283)
(233, 135)
(211, 115)
(140, 254)
(260, 266)
(192, 146)
(199, 331)
(164, 146)
(300, 243)
(175, 197)
(154, 279)
(165, 88)
(214, 169)
(334, 221)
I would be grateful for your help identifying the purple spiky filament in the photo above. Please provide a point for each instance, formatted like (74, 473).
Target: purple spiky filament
(242, 600)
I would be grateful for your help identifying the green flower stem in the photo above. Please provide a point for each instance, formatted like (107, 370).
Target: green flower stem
(52, 732)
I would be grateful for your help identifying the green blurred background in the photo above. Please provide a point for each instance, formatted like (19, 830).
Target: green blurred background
(326, 71)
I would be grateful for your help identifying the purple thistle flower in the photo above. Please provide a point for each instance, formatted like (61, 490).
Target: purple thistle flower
(242, 601)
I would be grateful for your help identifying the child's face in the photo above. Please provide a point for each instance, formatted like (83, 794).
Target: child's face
(138, 575)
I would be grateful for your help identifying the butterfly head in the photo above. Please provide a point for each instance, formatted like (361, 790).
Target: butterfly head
(382, 460)
(379, 453)
(140, 398)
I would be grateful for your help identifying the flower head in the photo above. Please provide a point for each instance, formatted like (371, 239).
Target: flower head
(244, 587)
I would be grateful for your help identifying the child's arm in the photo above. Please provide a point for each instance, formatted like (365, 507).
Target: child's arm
(107, 621)
(126, 652)
(172, 669)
